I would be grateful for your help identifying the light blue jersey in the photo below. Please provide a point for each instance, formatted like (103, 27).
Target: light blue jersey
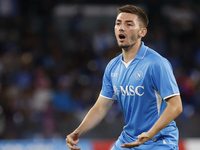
(141, 87)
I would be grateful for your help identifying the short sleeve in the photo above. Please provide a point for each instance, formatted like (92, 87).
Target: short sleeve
(163, 79)
(107, 88)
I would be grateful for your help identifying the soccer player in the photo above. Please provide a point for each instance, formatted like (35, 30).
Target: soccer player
(143, 83)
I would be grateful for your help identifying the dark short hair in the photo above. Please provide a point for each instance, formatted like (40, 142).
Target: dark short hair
(135, 10)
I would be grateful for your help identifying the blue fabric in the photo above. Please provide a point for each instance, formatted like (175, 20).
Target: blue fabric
(160, 143)
(140, 89)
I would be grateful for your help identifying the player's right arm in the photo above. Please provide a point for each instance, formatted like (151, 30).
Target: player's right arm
(93, 117)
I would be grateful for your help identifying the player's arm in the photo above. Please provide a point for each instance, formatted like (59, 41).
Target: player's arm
(93, 117)
(173, 109)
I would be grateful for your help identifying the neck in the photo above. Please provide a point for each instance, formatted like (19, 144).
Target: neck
(131, 52)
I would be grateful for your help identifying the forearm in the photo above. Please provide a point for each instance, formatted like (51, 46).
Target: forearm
(95, 115)
(173, 109)
(93, 118)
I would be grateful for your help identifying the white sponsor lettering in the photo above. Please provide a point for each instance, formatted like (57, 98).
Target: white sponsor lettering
(136, 90)
(129, 90)
(124, 92)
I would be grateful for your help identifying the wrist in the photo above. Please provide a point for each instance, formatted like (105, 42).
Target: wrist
(151, 134)
(77, 131)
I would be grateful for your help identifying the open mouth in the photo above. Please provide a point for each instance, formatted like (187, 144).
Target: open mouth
(122, 36)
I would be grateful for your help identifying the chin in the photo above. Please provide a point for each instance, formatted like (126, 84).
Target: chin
(124, 46)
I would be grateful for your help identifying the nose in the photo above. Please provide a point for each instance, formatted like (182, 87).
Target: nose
(121, 27)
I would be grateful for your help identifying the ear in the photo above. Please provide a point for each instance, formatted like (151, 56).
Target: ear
(142, 32)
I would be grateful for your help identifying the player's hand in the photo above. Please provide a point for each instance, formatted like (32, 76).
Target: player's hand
(142, 138)
(73, 139)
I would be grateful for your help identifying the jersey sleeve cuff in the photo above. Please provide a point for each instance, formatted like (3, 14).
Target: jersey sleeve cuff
(106, 97)
(171, 96)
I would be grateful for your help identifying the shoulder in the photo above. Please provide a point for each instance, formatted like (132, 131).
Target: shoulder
(114, 61)
(155, 59)
(157, 63)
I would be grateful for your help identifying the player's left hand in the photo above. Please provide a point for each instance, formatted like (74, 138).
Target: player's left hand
(142, 138)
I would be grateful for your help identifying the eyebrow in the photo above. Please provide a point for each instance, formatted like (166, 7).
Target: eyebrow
(118, 20)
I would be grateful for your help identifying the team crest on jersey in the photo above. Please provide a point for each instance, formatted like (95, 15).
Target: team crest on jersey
(139, 75)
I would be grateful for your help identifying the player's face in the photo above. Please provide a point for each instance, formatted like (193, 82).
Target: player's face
(127, 28)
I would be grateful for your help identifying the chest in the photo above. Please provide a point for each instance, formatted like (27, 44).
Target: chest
(131, 80)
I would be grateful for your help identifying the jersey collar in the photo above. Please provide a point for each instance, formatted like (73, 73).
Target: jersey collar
(142, 51)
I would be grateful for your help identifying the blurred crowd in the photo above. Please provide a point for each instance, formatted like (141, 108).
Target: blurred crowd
(48, 78)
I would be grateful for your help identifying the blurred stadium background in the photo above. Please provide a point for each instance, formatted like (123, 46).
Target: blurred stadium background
(52, 58)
